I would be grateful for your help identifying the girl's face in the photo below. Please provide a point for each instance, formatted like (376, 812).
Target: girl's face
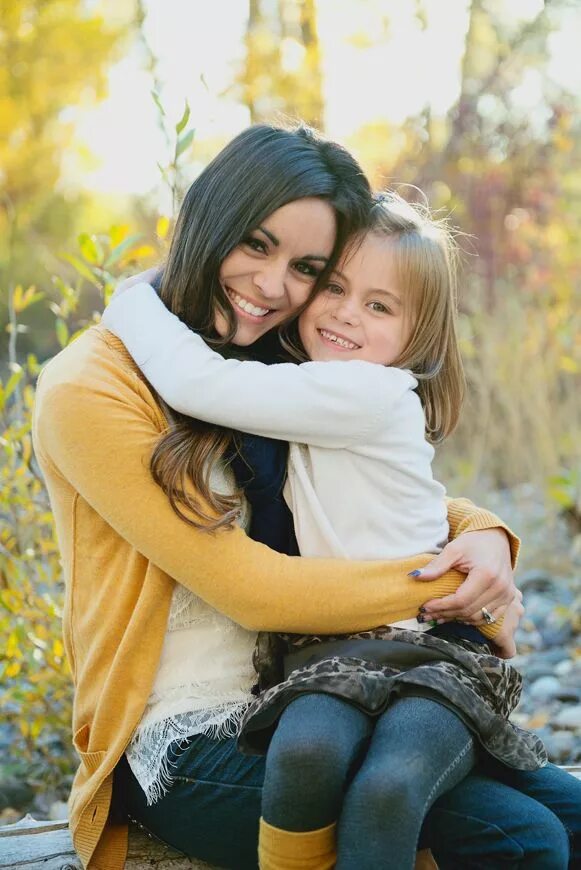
(360, 314)
(271, 273)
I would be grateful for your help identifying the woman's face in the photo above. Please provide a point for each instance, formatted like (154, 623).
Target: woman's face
(271, 273)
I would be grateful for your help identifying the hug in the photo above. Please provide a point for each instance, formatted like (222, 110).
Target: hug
(289, 648)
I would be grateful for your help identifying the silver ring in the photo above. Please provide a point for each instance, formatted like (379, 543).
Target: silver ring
(487, 616)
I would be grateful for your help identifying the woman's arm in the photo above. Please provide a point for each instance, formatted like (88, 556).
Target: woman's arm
(329, 404)
(97, 436)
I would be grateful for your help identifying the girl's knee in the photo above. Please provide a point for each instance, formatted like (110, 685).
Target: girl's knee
(306, 760)
(375, 792)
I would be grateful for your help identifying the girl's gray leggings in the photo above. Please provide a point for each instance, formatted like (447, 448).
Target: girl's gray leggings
(377, 777)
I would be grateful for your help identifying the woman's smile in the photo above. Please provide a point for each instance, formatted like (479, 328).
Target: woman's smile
(245, 307)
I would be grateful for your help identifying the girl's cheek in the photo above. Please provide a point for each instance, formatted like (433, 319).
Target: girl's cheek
(299, 295)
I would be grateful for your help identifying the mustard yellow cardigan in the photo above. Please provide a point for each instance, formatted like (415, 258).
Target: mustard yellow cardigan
(123, 547)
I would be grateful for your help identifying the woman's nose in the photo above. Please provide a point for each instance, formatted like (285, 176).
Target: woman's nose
(270, 280)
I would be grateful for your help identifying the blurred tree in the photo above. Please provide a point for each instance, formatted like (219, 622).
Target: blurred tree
(53, 54)
(282, 70)
(506, 161)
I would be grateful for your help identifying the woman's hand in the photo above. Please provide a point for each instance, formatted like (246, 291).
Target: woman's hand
(504, 643)
(485, 557)
(143, 278)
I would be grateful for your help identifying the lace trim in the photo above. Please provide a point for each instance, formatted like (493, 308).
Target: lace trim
(149, 754)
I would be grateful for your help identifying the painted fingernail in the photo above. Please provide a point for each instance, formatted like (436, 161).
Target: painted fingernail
(414, 573)
(422, 609)
(420, 618)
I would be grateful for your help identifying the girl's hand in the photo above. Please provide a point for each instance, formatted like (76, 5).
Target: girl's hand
(504, 645)
(485, 557)
(143, 278)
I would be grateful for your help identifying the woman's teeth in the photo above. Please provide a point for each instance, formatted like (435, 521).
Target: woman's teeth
(247, 306)
(330, 336)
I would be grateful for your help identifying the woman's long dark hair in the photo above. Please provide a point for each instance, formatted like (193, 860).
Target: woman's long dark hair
(258, 172)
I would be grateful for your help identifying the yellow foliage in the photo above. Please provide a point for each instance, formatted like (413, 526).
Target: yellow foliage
(162, 227)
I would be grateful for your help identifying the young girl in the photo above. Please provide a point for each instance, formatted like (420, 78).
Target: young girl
(384, 721)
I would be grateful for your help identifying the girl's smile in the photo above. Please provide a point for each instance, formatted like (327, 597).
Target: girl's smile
(274, 268)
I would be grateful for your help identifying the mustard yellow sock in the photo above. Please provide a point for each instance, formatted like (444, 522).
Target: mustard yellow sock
(290, 850)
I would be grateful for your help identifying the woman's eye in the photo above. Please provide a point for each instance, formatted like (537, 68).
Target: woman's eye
(334, 289)
(255, 244)
(307, 269)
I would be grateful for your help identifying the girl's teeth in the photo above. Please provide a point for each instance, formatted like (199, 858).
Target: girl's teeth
(247, 306)
(340, 341)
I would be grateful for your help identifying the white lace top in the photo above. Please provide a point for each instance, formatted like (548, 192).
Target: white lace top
(202, 684)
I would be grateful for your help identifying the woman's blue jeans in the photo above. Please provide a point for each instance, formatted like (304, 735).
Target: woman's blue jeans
(495, 818)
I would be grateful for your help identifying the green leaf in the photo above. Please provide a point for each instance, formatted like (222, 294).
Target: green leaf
(121, 249)
(81, 268)
(181, 124)
(12, 383)
(157, 102)
(62, 332)
(184, 142)
(90, 248)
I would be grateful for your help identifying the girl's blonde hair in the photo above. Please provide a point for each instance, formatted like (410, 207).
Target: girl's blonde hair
(426, 261)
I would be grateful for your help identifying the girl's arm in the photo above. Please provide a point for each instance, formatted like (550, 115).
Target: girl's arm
(329, 404)
(96, 437)
(95, 426)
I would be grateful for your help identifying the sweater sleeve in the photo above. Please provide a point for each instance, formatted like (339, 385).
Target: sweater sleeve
(464, 516)
(99, 439)
(327, 404)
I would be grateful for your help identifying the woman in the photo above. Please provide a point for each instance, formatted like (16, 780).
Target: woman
(256, 228)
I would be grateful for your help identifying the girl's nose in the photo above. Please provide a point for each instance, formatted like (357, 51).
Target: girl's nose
(346, 312)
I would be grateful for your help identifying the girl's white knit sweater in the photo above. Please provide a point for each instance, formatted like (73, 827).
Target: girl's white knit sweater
(356, 431)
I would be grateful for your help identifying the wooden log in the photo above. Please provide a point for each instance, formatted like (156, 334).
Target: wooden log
(47, 846)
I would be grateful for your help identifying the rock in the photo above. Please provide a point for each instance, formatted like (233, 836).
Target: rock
(569, 718)
(559, 745)
(569, 694)
(58, 811)
(552, 656)
(536, 581)
(528, 638)
(563, 667)
(8, 816)
(537, 670)
(556, 632)
(545, 689)
(538, 608)
(14, 793)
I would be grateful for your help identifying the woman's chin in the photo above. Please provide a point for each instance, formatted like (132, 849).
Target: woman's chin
(246, 332)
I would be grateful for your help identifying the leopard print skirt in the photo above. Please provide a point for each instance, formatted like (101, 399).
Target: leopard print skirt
(461, 675)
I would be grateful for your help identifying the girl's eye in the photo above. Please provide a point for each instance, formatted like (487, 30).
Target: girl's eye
(334, 289)
(379, 307)
(304, 268)
(255, 244)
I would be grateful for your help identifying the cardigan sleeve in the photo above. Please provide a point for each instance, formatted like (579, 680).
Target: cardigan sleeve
(326, 404)
(464, 516)
(99, 439)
